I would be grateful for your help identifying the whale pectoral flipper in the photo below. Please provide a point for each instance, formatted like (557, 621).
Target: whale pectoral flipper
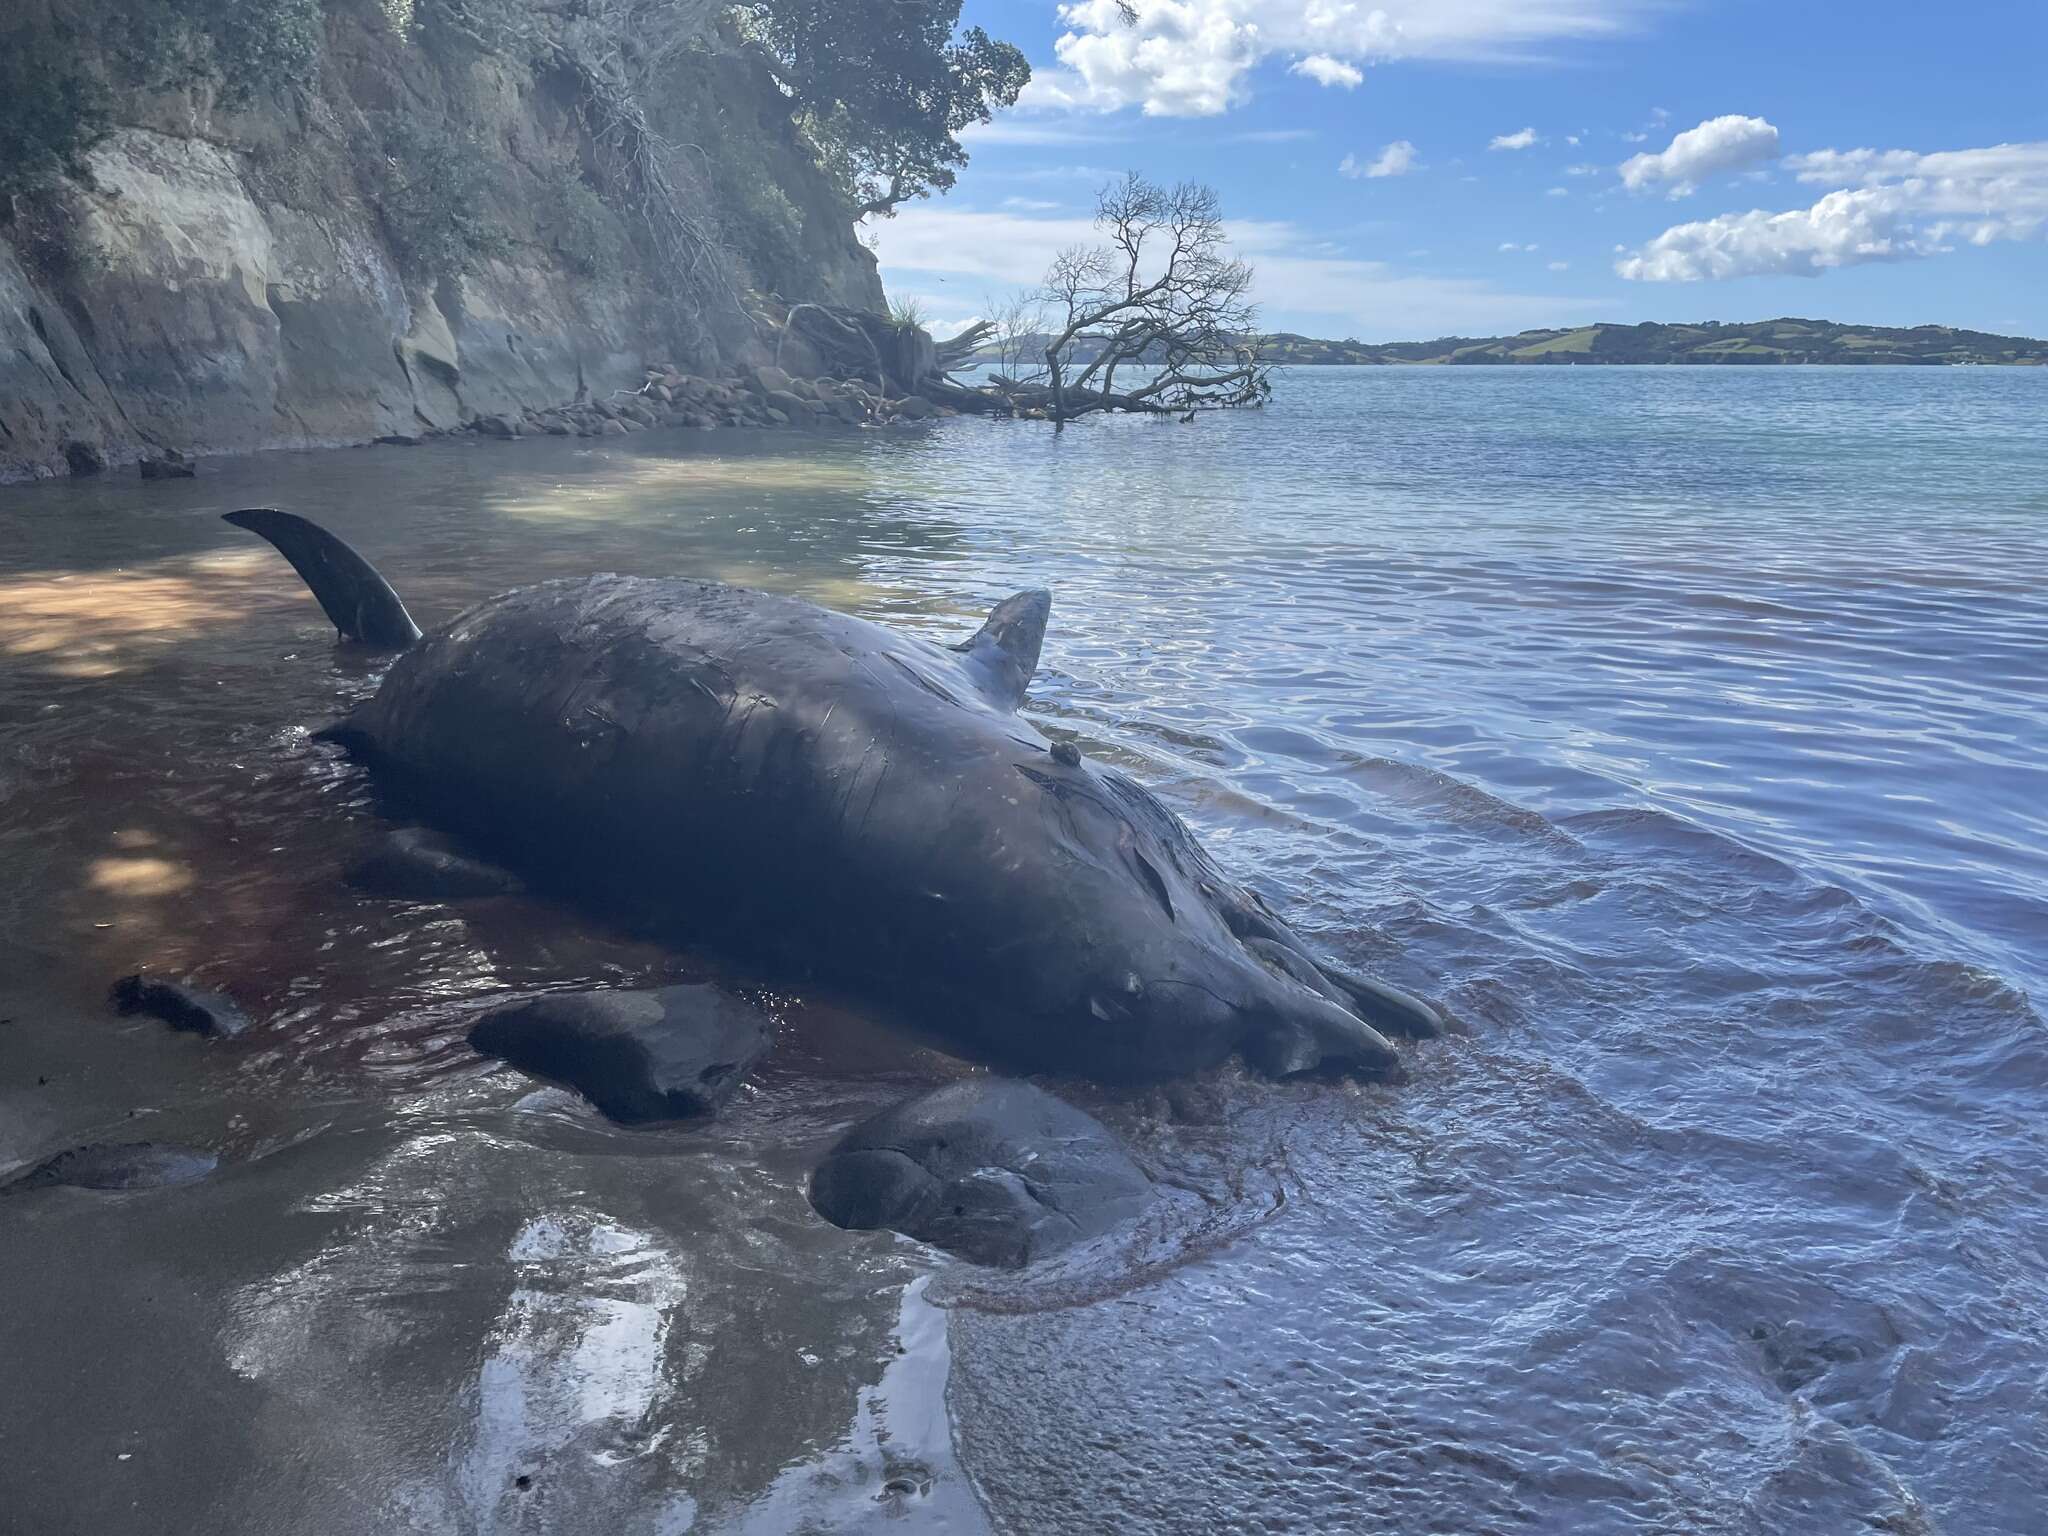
(360, 602)
(1386, 1006)
(1003, 653)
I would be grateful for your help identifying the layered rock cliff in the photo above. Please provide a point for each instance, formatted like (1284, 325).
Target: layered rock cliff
(229, 280)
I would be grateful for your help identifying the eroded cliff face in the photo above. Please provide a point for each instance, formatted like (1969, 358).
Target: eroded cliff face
(224, 283)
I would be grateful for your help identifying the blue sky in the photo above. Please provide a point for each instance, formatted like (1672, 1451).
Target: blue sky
(1417, 168)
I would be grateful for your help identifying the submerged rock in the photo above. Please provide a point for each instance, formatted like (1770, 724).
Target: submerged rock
(123, 1165)
(994, 1171)
(669, 1054)
(170, 465)
(184, 1007)
(421, 865)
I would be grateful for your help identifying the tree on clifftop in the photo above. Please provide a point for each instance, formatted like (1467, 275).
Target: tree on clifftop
(884, 89)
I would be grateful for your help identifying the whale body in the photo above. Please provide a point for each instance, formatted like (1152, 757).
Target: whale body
(822, 797)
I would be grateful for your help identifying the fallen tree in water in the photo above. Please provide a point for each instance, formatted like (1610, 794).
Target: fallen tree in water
(1162, 301)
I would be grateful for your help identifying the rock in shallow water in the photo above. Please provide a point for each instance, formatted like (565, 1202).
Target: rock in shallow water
(994, 1171)
(182, 1007)
(668, 1054)
(126, 1165)
(415, 863)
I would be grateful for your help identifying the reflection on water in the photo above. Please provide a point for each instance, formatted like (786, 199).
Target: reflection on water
(1684, 732)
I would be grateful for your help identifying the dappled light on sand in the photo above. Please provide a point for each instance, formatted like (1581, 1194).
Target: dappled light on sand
(86, 624)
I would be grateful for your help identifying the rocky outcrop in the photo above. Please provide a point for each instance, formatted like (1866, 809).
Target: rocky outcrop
(223, 282)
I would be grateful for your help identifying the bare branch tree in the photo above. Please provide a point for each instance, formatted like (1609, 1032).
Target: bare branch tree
(1016, 332)
(1162, 299)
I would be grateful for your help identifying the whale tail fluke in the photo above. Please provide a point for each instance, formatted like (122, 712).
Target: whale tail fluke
(361, 603)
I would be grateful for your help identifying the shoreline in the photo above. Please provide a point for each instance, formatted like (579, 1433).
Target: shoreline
(765, 398)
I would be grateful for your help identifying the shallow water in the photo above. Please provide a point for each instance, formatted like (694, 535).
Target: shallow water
(1684, 733)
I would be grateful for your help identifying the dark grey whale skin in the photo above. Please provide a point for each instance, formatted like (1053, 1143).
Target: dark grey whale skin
(996, 1171)
(805, 789)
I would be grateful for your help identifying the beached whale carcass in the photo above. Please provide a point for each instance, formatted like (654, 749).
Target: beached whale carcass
(816, 793)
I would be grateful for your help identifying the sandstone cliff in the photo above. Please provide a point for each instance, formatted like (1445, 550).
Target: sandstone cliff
(230, 280)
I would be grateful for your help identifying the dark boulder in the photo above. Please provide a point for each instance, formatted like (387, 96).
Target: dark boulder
(992, 1170)
(416, 864)
(791, 404)
(178, 1005)
(126, 1165)
(84, 458)
(497, 426)
(170, 465)
(668, 1054)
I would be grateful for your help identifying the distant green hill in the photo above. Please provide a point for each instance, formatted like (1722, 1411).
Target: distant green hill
(1762, 341)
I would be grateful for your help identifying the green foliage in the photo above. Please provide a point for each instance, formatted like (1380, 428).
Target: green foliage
(431, 187)
(246, 48)
(52, 111)
(884, 90)
(57, 79)
(579, 224)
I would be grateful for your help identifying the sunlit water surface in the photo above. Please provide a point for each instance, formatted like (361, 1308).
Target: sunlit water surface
(1680, 731)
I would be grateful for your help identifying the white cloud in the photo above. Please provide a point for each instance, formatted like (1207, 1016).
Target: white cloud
(1898, 205)
(1191, 58)
(1582, 170)
(1634, 138)
(1572, 139)
(1397, 159)
(1522, 138)
(1559, 192)
(1719, 144)
(1560, 266)
(1034, 129)
(1324, 70)
(1510, 245)
(1030, 204)
(1296, 273)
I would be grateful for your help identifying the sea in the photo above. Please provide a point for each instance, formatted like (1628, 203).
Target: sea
(1682, 733)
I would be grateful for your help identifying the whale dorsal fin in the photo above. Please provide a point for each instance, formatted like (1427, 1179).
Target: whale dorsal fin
(358, 600)
(1004, 652)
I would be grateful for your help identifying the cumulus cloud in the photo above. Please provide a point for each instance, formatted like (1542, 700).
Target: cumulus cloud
(1324, 70)
(1397, 159)
(1510, 245)
(1897, 205)
(1521, 138)
(1192, 58)
(1719, 144)
(1559, 192)
(1560, 266)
